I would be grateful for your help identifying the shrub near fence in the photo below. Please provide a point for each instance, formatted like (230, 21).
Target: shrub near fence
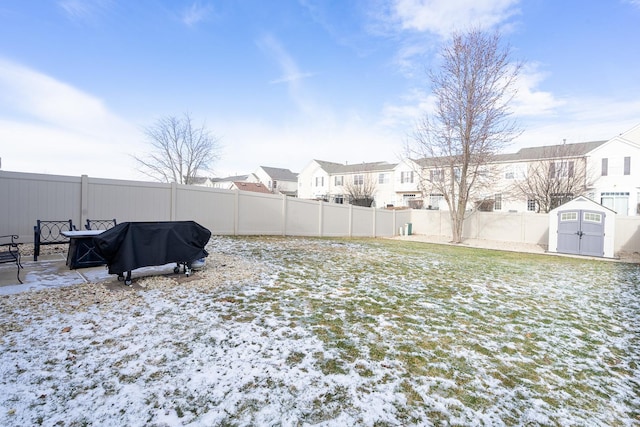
(27, 197)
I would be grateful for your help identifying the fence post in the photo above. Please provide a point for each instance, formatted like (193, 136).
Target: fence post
(350, 220)
(284, 214)
(173, 197)
(375, 216)
(236, 212)
(84, 200)
(395, 228)
(320, 217)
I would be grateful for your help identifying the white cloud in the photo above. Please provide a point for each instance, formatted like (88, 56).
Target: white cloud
(443, 16)
(581, 120)
(291, 73)
(530, 101)
(49, 126)
(195, 14)
(81, 10)
(635, 3)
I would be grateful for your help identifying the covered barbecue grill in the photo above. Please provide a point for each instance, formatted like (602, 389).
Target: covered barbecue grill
(132, 245)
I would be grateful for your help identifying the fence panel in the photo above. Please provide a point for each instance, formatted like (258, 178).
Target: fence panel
(259, 214)
(212, 208)
(361, 222)
(25, 198)
(335, 220)
(303, 217)
(128, 200)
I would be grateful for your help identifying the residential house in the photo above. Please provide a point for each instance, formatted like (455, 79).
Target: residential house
(278, 180)
(228, 182)
(202, 181)
(344, 183)
(534, 179)
(616, 165)
(538, 179)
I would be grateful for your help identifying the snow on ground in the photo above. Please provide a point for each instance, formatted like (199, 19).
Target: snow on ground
(296, 332)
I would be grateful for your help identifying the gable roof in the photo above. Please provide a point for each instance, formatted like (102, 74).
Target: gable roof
(280, 174)
(551, 151)
(199, 180)
(231, 178)
(255, 187)
(333, 168)
(545, 152)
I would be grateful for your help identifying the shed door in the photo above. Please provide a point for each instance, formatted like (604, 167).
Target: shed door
(581, 232)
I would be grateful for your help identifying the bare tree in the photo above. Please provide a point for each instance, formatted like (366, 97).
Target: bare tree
(179, 150)
(471, 120)
(361, 189)
(560, 175)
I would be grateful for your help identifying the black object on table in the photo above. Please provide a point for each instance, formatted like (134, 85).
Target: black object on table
(131, 245)
(82, 253)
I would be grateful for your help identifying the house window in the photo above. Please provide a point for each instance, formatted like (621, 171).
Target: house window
(497, 205)
(616, 201)
(407, 197)
(605, 167)
(436, 175)
(561, 169)
(627, 165)
(509, 174)
(338, 180)
(319, 181)
(339, 199)
(514, 172)
(435, 200)
(358, 179)
(274, 185)
(383, 178)
(406, 177)
(559, 199)
(531, 205)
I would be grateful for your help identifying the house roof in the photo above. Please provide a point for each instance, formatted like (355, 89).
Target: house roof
(551, 151)
(532, 153)
(255, 187)
(197, 180)
(280, 174)
(333, 168)
(231, 178)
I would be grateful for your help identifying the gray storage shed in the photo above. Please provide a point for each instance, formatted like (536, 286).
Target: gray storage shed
(582, 227)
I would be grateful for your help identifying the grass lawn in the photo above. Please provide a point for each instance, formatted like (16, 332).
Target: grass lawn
(340, 332)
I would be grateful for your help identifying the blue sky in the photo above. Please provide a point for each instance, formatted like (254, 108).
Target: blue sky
(283, 82)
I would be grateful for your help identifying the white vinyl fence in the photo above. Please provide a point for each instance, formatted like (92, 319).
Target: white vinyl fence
(26, 197)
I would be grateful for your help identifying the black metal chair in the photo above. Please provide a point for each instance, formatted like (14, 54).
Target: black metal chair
(12, 252)
(49, 233)
(100, 224)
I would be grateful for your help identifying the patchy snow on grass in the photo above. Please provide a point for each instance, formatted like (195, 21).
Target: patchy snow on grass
(282, 331)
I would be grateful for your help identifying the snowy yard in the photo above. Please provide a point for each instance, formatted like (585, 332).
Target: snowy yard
(299, 332)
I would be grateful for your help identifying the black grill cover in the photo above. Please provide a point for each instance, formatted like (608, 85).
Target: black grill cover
(131, 245)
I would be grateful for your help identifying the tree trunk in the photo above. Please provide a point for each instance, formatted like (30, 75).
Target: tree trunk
(457, 221)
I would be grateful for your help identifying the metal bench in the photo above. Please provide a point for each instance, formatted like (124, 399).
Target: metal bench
(10, 252)
(49, 233)
(100, 224)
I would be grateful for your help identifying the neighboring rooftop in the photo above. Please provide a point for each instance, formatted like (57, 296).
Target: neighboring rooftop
(280, 174)
(332, 167)
(255, 187)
